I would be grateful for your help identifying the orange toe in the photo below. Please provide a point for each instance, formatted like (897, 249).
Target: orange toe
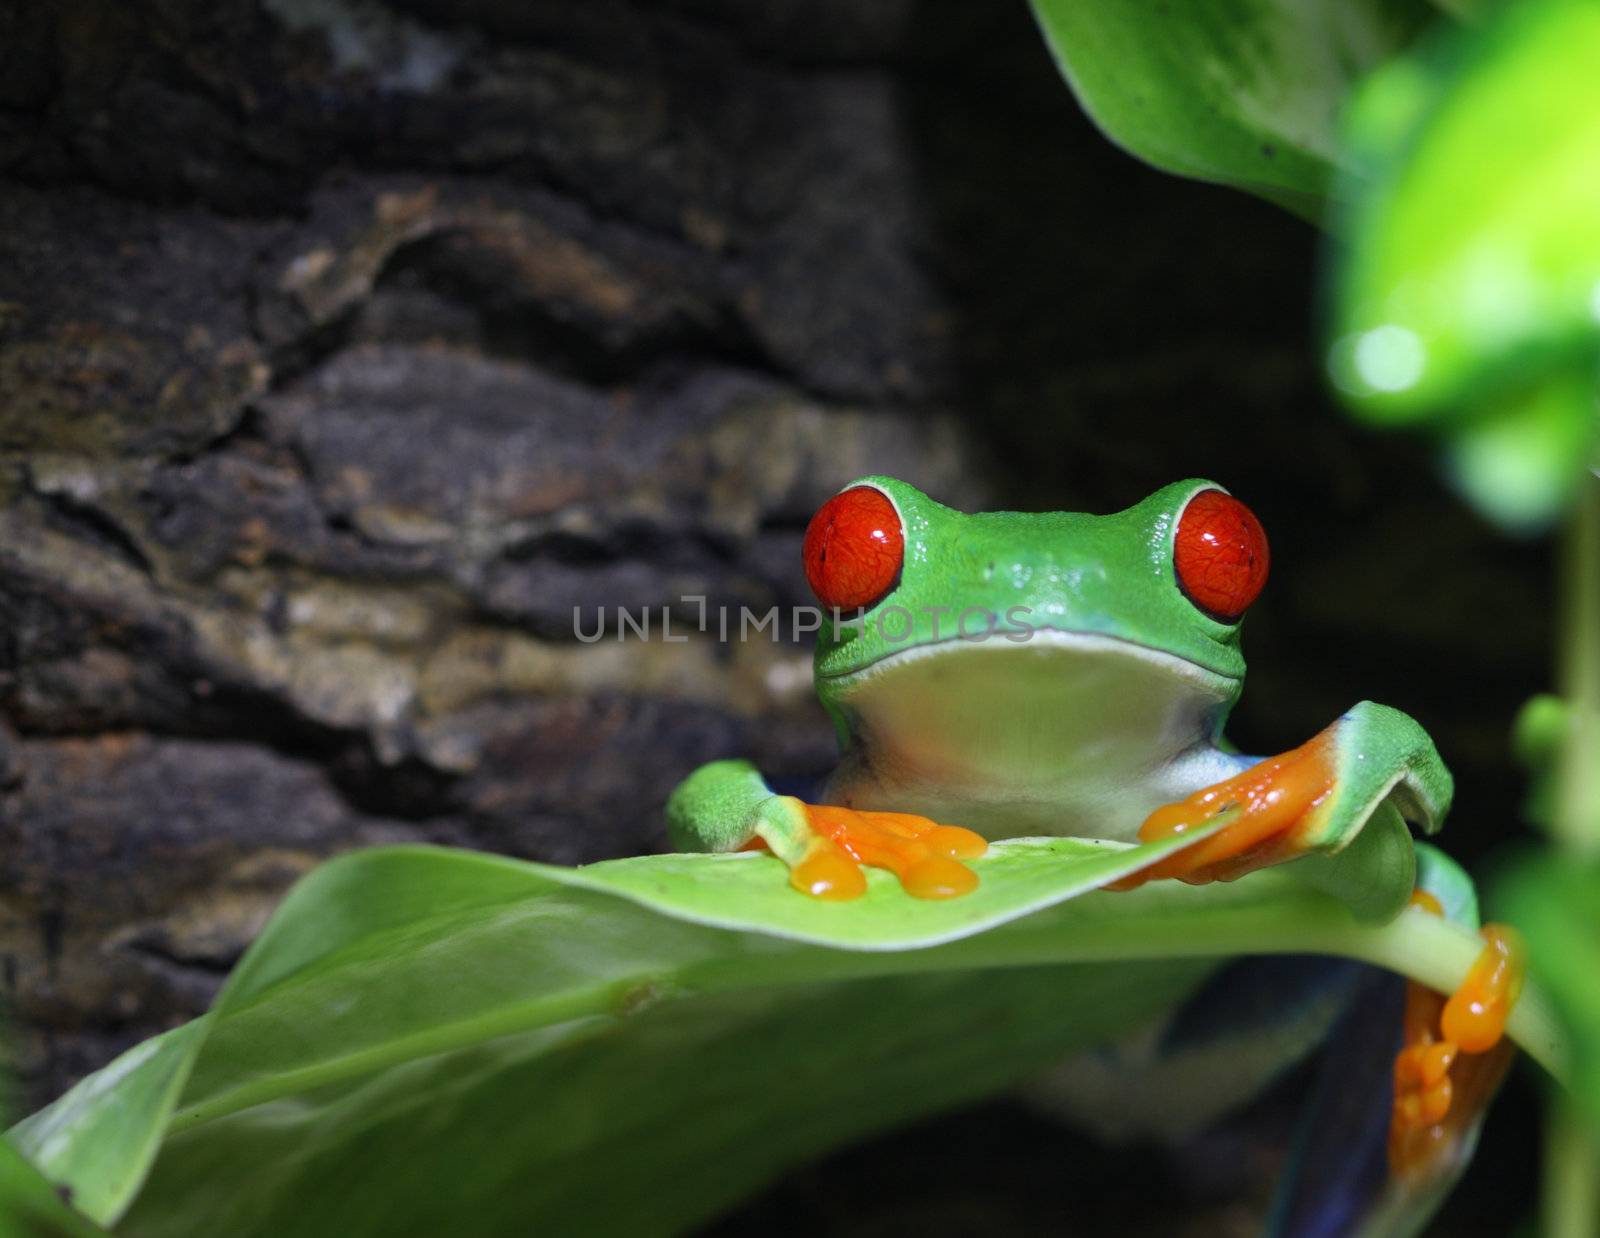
(938, 877)
(1269, 801)
(925, 855)
(828, 873)
(1454, 1054)
(1475, 1016)
(955, 843)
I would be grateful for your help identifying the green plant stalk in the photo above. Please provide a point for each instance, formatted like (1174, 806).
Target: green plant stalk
(1462, 10)
(1572, 1175)
(1571, 1202)
(1577, 816)
(1422, 947)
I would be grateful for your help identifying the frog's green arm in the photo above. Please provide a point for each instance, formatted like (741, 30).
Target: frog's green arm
(1382, 755)
(1358, 782)
(1387, 775)
(725, 805)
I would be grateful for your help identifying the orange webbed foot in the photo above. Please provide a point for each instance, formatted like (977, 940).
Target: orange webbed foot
(925, 855)
(1454, 1052)
(1268, 802)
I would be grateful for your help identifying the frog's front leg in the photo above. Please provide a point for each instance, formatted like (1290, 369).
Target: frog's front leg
(727, 806)
(1313, 798)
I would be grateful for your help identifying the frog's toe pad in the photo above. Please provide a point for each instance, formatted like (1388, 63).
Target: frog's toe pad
(939, 877)
(923, 854)
(828, 873)
(1454, 1055)
(1475, 1016)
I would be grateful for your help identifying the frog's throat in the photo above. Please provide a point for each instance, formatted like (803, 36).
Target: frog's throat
(1224, 687)
(1066, 733)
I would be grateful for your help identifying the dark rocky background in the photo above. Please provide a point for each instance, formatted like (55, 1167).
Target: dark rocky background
(346, 347)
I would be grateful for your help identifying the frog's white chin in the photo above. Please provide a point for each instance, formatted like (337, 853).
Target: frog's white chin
(1065, 733)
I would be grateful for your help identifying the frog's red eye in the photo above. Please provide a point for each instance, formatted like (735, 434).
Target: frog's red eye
(853, 550)
(1220, 555)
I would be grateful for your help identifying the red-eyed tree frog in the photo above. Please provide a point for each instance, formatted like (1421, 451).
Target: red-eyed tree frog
(1013, 673)
(1004, 674)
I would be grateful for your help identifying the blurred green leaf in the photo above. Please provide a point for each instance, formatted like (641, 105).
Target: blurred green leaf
(429, 1041)
(102, 1144)
(1537, 736)
(1555, 901)
(31, 1208)
(1240, 92)
(1467, 299)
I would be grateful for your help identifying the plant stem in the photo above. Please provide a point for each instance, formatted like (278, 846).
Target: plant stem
(1461, 10)
(1571, 1174)
(1571, 1162)
(1577, 817)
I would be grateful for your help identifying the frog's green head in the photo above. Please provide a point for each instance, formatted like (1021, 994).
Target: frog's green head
(1057, 610)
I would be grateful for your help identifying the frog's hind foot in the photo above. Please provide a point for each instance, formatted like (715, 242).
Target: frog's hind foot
(829, 849)
(1454, 1053)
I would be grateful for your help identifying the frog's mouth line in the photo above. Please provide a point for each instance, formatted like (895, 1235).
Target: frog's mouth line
(1043, 638)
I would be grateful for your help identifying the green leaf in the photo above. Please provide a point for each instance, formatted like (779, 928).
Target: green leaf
(100, 1139)
(1018, 876)
(425, 1040)
(646, 1127)
(30, 1206)
(1537, 737)
(378, 902)
(1240, 92)
(1467, 299)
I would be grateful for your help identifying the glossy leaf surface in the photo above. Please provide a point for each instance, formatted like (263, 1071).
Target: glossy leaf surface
(1240, 92)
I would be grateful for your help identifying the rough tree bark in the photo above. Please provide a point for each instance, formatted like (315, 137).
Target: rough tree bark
(346, 348)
